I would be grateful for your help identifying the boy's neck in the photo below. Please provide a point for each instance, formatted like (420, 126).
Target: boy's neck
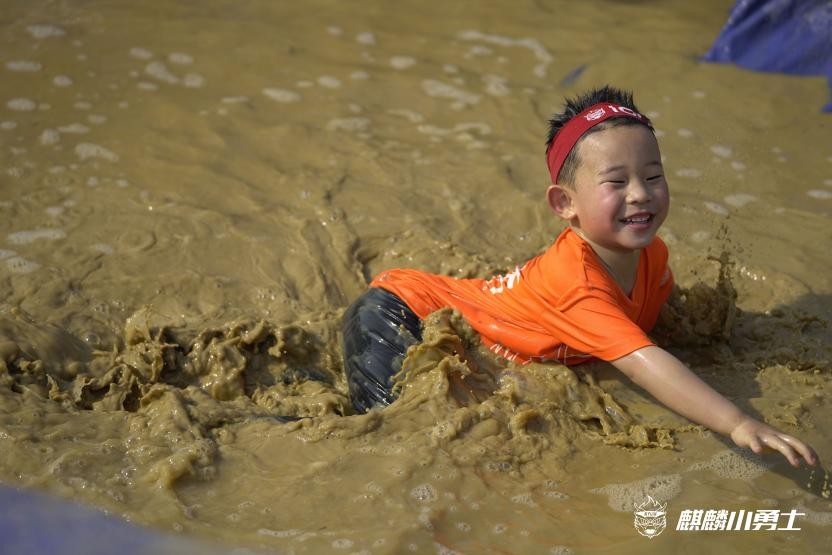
(621, 265)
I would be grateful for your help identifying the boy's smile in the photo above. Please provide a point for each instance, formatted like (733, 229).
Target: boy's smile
(620, 198)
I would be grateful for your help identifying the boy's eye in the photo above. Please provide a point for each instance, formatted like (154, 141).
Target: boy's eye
(655, 177)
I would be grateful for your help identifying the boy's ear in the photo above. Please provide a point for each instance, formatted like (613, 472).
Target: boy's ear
(560, 201)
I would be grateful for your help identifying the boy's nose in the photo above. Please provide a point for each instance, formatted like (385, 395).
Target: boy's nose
(638, 191)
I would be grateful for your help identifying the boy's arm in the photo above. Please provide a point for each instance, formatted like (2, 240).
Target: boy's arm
(673, 384)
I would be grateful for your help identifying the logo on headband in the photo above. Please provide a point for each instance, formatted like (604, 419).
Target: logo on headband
(595, 114)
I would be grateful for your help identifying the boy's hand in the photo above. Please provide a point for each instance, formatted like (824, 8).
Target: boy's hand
(758, 436)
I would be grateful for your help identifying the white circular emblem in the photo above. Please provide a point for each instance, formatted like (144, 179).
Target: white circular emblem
(595, 114)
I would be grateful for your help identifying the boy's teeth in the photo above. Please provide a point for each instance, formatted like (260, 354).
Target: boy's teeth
(640, 220)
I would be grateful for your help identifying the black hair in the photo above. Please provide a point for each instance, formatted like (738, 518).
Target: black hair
(574, 106)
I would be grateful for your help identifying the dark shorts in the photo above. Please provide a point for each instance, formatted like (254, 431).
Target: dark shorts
(378, 328)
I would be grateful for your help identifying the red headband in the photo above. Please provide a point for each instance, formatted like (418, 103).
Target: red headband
(575, 128)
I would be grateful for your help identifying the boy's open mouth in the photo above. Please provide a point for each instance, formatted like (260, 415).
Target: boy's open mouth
(638, 219)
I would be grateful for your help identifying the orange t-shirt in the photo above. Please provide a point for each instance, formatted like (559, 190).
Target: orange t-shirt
(560, 306)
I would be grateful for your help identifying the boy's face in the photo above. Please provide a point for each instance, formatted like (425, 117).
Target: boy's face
(620, 197)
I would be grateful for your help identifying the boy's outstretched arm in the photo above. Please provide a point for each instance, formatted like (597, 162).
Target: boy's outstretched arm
(673, 383)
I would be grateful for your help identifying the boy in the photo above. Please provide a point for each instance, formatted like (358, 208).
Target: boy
(595, 293)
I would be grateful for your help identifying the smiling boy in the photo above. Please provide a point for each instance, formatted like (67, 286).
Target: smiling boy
(594, 294)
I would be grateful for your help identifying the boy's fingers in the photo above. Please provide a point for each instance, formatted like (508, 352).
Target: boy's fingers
(806, 451)
(777, 443)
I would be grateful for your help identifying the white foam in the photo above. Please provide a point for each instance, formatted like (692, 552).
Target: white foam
(733, 465)
(62, 81)
(739, 200)
(402, 62)
(147, 86)
(23, 65)
(688, 172)
(348, 124)
(329, 82)
(304, 84)
(290, 533)
(716, 208)
(653, 114)
(193, 80)
(30, 236)
(45, 31)
(438, 89)
(542, 55)
(366, 38)
(359, 75)
(722, 151)
(478, 50)
(495, 85)
(49, 137)
(334, 30)
(698, 94)
(700, 236)
(827, 182)
(425, 493)
(85, 151)
(4, 254)
(8, 125)
(624, 497)
(141, 53)
(737, 165)
(234, 99)
(103, 248)
(524, 499)
(281, 95)
(77, 128)
(55, 211)
(21, 104)
(43, 106)
(160, 71)
(96, 119)
(819, 194)
(683, 132)
(82, 105)
(180, 58)
(450, 68)
(20, 265)
(342, 543)
(412, 117)
(92, 181)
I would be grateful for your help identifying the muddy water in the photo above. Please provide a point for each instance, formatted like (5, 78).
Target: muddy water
(191, 194)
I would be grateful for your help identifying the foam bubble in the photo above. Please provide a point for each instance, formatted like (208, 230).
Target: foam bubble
(624, 497)
(82, 105)
(180, 58)
(402, 62)
(304, 84)
(819, 194)
(478, 50)
(4, 254)
(96, 119)
(721, 150)
(334, 30)
(348, 124)
(737, 165)
(85, 151)
(281, 95)
(698, 94)
(342, 543)
(30, 236)
(543, 56)
(359, 75)
(424, 493)
(683, 132)
(161, 72)
(560, 550)
(827, 182)
(495, 85)
(688, 172)
(141, 53)
(731, 464)
(412, 117)
(290, 533)
(49, 137)
(8, 125)
(555, 495)
(716, 208)
(55, 211)
(524, 499)
(45, 31)
(21, 104)
(19, 265)
(193, 80)
(700, 236)
(438, 89)
(740, 199)
(329, 82)
(147, 86)
(76, 128)
(62, 81)
(23, 65)
(366, 38)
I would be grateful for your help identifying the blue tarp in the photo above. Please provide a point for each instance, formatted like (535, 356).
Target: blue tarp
(783, 36)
